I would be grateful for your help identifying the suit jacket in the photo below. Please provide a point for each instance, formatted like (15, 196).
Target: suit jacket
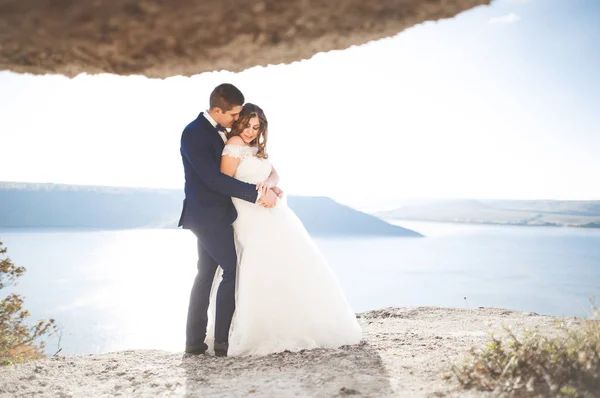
(208, 192)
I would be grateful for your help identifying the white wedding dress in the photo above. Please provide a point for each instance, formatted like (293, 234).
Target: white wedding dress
(287, 297)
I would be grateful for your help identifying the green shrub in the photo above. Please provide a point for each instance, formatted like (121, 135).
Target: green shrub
(566, 365)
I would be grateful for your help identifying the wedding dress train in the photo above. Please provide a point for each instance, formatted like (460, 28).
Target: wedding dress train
(287, 296)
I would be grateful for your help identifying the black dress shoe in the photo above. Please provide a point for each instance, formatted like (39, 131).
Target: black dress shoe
(196, 349)
(221, 349)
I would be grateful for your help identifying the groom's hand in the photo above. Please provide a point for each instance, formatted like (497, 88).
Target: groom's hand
(268, 200)
(264, 187)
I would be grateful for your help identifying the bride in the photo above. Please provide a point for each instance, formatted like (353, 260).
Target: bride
(287, 297)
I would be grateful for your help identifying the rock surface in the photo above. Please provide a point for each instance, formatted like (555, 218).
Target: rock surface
(160, 38)
(405, 353)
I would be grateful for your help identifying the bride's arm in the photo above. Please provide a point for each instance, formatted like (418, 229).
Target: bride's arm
(229, 164)
(270, 184)
(273, 178)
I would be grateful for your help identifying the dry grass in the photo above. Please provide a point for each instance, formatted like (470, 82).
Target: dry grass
(532, 365)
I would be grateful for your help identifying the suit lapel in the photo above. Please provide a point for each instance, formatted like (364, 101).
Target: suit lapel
(212, 132)
(212, 136)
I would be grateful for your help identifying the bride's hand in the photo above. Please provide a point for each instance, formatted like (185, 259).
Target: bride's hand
(263, 187)
(277, 191)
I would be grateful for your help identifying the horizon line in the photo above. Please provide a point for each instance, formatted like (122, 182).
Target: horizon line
(398, 199)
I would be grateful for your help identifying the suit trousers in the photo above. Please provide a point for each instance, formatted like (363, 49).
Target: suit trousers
(216, 247)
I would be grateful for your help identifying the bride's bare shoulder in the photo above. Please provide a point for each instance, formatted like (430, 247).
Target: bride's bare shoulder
(236, 140)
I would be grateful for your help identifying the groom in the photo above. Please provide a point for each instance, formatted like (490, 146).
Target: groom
(209, 212)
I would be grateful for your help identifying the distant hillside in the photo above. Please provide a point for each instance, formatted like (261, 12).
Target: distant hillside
(583, 214)
(27, 205)
(324, 216)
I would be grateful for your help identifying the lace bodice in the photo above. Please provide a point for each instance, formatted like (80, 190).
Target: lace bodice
(251, 169)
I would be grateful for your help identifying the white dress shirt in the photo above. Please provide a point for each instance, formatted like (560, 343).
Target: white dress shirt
(214, 124)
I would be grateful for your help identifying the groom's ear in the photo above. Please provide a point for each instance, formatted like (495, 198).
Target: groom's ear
(218, 110)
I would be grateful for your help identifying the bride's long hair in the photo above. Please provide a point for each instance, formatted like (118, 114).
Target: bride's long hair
(248, 112)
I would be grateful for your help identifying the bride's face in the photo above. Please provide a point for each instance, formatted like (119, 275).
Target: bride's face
(251, 130)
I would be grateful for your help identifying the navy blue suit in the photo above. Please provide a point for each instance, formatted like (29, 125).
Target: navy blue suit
(209, 213)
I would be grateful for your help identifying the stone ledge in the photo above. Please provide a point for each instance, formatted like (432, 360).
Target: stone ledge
(159, 38)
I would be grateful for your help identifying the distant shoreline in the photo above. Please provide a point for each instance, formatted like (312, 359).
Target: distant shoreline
(34, 229)
(85, 208)
(518, 213)
(492, 223)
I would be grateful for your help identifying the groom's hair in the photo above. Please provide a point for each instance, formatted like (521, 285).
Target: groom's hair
(226, 96)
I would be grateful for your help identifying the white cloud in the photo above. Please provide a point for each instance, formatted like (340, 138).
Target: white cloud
(505, 19)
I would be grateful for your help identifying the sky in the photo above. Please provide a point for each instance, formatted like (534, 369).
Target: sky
(500, 102)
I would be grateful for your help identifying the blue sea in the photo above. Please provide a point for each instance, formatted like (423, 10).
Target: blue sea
(128, 289)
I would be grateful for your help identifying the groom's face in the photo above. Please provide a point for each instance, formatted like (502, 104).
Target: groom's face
(229, 117)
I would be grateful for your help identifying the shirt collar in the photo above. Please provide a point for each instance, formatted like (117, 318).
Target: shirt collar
(210, 119)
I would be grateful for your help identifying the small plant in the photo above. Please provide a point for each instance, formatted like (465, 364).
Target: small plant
(538, 366)
(19, 342)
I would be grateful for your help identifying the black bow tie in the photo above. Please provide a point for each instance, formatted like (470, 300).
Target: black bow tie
(220, 128)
